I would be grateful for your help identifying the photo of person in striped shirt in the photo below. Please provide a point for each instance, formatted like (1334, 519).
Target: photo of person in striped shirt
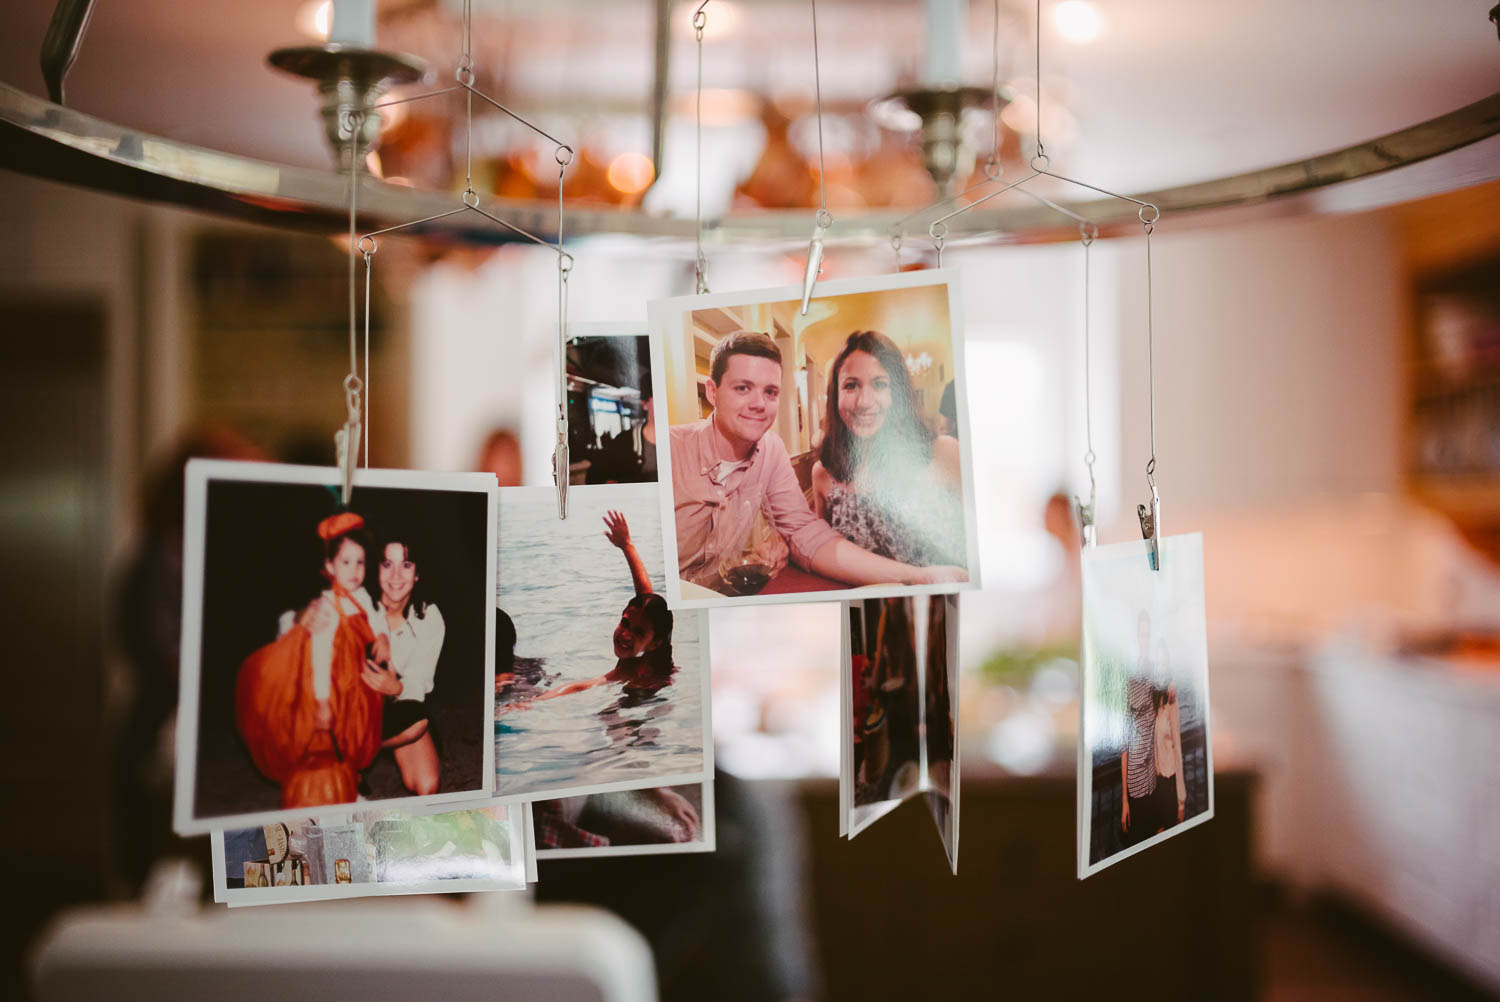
(1151, 764)
(1146, 765)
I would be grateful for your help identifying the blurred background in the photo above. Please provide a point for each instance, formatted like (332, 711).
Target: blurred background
(1327, 373)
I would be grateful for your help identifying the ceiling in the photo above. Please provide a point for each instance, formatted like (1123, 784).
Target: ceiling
(1173, 91)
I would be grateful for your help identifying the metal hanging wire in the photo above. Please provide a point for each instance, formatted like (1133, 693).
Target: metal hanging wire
(1147, 212)
(993, 164)
(368, 245)
(1037, 24)
(1151, 522)
(1087, 234)
(700, 266)
(561, 468)
(823, 220)
(346, 440)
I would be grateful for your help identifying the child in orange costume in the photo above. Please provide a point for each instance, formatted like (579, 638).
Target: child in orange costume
(303, 703)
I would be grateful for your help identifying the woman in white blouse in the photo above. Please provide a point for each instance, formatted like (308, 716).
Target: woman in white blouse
(416, 631)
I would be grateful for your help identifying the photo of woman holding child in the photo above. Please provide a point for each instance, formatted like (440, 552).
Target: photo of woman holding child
(317, 667)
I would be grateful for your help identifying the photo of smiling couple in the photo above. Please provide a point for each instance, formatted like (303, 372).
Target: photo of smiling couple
(816, 452)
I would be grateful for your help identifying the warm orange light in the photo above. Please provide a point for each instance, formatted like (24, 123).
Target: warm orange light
(630, 173)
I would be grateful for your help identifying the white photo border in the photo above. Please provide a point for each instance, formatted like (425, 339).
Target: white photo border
(200, 472)
(665, 317)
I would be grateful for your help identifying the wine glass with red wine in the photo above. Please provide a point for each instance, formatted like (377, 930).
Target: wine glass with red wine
(759, 558)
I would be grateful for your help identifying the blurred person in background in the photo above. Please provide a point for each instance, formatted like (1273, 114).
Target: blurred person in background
(149, 607)
(1062, 598)
(501, 455)
(948, 412)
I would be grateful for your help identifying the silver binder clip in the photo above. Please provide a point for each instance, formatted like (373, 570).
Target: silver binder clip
(1151, 528)
(821, 223)
(1085, 513)
(560, 465)
(346, 442)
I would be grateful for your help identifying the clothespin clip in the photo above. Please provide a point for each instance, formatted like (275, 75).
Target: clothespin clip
(560, 465)
(821, 222)
(1085, 513)
(346, 439)
(700, 274)
(346, 442)
(1151, 528)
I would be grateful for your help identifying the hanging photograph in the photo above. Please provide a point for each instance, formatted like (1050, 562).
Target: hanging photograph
(900, 697)
(599, 686)
(529, 833)
(940, 720)
(813, 455)
(645, 822)
(611, 413)
(1146, 761)
(329, 653)
(883, 723)
(369, 853)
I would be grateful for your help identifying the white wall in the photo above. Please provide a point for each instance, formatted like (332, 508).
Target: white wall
(1279, 369)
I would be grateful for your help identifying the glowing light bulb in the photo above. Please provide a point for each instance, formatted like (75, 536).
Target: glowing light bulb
(630, 173)
(1077, 21)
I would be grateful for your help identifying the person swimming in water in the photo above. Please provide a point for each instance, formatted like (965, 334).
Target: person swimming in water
(642, 639)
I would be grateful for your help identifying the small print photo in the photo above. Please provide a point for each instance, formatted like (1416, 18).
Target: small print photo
(599, 685)
(900, 724)
(611, 426)
(1146, 772)
(653, 821)
(371, 853)
(815, 454)
(332, 654)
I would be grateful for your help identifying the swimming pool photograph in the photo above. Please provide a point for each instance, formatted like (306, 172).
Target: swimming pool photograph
(598, 685)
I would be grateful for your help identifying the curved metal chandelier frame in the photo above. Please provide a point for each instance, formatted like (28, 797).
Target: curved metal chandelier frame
(48, 140)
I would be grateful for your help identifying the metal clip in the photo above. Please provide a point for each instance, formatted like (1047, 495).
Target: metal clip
(1151, 528)
(346, 442)
(1085, 513)
(821, 222)
(560, 464)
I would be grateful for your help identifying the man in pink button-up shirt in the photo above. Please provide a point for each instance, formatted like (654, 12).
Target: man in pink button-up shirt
(727, 458)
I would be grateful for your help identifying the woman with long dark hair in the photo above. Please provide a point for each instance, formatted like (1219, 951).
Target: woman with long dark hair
(417, 631)
(642, 639)
(884, 479)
